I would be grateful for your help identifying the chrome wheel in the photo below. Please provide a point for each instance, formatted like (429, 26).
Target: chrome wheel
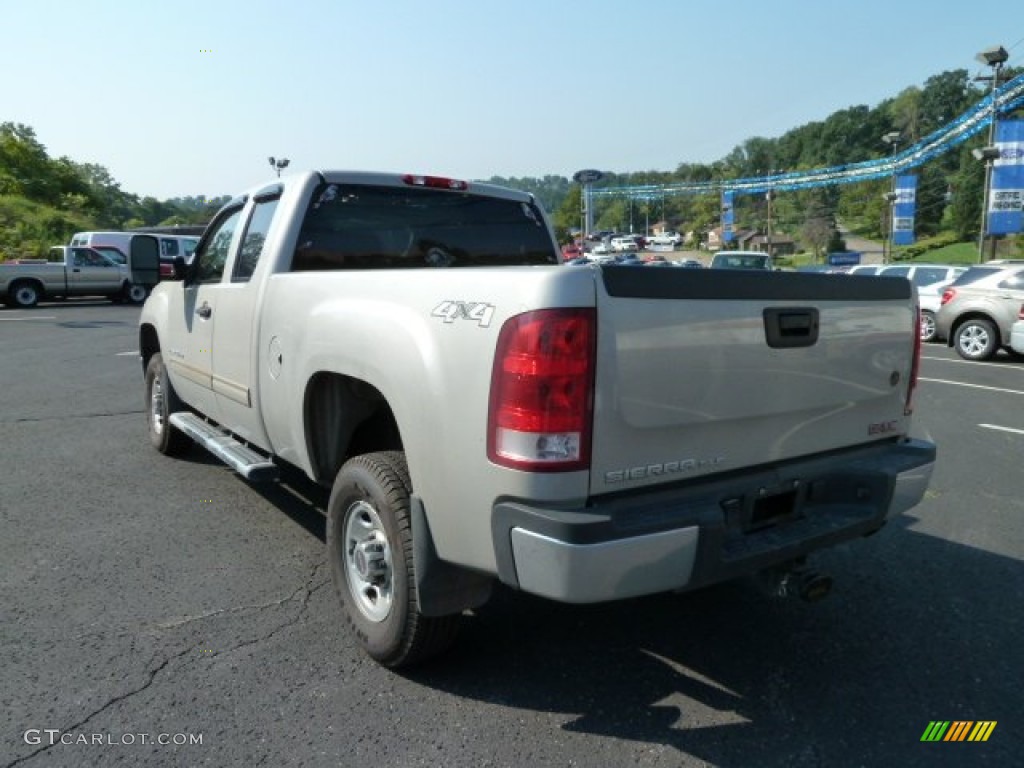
(368, 561)
(976, 340)
(927, 326)
(156, 406)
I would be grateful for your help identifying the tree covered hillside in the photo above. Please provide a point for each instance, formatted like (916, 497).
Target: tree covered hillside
(43, 201)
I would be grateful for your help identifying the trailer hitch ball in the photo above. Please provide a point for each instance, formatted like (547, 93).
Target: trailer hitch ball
(807, 584)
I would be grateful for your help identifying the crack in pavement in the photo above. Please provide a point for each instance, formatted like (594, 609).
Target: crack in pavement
(243, 608)
(30, 420)
(150, 677)
(306, 590)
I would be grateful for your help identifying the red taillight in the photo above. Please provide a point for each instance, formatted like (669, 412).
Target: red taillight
(915, 363)
(1020, 314)
(542, 391)
(434, 182)
(947, 296)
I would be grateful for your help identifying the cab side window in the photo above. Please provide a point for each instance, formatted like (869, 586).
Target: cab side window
(168, 248)
(254, 239)
(211, 258)
(84, 257)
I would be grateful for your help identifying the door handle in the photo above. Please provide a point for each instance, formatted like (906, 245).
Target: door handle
(76, 269)
(204, 311)
(790, 327)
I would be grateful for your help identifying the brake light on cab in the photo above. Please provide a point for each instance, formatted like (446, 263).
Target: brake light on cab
(434, 182)
(542, 391)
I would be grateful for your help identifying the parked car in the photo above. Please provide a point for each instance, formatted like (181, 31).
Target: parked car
(689, 264)
(922, 274)
(1017, 334)
(666, 238)
(625, 243)
(741, 260)
(929, 298)
(979, 308)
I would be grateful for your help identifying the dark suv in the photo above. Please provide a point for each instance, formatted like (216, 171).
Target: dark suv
(979, 308)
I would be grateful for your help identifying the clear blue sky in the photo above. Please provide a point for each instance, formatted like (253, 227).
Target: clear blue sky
(191, 97)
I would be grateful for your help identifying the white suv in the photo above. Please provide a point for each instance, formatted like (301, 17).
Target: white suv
(624, 243)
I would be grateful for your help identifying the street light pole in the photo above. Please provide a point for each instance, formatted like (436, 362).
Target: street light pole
(994, 57)
(278, 164)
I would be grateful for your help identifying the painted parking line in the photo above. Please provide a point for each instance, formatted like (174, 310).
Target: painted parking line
(126, 354)
(1004, 366)
(974, 386)
(1002, 429)
(34, 317)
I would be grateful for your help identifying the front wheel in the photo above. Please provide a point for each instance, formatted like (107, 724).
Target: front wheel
(976, 339)
(135, 293)
(161, 402)
(369, 547)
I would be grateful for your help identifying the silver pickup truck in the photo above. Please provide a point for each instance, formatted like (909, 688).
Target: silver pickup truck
(483, 414)
(66, 272)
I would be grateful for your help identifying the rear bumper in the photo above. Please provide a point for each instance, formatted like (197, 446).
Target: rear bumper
(705, 532)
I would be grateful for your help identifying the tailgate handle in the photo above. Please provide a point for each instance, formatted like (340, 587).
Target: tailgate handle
(787, 327)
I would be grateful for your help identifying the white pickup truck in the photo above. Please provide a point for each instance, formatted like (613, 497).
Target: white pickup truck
(483, 414)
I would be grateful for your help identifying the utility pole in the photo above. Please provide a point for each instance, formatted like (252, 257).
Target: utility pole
(994, 57)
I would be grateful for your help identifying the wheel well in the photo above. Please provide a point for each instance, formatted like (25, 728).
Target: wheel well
(23, 280)
(345, 417)
(149, 344)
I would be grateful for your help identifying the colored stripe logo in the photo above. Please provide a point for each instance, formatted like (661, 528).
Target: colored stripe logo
(959, 730)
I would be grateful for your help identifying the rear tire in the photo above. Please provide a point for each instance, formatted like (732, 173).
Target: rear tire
(927, 325)
(161, 402)
(976, 339)
(24, 294)
(370, 551)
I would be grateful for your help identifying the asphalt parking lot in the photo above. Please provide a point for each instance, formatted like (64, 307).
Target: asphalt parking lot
(145, 599)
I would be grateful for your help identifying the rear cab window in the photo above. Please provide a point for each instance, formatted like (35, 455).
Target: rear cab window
(360, 226)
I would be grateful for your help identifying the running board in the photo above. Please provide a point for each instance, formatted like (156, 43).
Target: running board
(240, 457)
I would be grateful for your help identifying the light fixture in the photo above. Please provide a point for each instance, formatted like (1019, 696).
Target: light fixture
(985, 154)
(993, 57)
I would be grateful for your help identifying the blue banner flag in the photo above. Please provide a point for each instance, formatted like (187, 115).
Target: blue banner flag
(903, 210)
(1006, 196)
(728, 216)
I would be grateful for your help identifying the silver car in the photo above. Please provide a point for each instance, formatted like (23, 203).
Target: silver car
(980, 307)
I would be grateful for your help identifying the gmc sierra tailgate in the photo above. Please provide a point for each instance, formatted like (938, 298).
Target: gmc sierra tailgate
(708, 371)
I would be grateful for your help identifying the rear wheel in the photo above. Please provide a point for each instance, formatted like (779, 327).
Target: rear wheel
(369, 547)
(161, 402)
(24, 294)
(927, 325)
(976, 339)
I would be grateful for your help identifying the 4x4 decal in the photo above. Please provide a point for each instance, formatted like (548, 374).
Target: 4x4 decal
(451, 311)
